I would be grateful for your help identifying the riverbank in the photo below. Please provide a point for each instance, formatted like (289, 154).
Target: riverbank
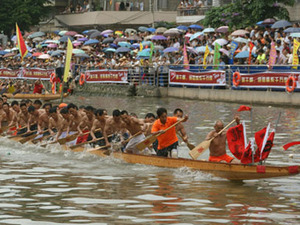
(276, 98)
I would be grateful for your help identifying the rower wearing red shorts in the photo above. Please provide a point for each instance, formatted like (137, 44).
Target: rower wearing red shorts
(217, 148)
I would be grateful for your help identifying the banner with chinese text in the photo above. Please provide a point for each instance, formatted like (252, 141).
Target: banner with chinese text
(37, 73)
(106, 76)
(208, 78)
(268, 79)
(8, 73)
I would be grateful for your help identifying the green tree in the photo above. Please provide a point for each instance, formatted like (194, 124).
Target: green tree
(243, 13)
(24, 12)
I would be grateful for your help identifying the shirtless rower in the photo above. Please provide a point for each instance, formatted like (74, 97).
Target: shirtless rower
(113, 125)
(99, 122)
(134, 126)
(44, 118)
(179, 127)
(55, 121)
(34, 118)
(9, 117)
(76, 117)
(15, 106)
(23, 118)
(66, 126)
(86, 124)
(37, 104)
(217, 148)
(148, 122)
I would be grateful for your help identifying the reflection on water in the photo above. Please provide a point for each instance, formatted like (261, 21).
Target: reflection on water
(51, 186)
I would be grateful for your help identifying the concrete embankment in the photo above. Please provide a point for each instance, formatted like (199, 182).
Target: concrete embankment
(222, 95)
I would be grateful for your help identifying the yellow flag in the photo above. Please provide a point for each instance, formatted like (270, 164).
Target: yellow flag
(205, 55)
(295, 55)
(68, 60)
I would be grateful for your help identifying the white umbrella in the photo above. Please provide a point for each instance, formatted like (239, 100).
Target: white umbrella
(241, 40)
(220, 41)
(44, 56)
(239, 33)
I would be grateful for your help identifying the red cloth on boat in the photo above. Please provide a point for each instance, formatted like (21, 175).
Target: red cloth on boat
(38, 89)
(220, 158)
(83, 138)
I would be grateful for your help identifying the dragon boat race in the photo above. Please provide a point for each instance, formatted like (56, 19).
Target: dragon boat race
(149, 112)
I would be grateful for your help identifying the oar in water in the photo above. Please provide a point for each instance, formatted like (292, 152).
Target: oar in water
(106, 146)
(42, 138)
(30, 137)
(200, 148)
(148, 141)
(190, 146)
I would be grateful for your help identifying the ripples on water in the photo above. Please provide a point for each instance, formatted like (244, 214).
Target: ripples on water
(49, 186)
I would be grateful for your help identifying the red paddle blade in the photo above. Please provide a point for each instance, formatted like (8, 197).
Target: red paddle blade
(288, 145)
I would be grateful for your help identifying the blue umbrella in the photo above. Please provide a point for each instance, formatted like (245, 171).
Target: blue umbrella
(82, 55)
(135, 45)
(144, 53)
(281, 24)
(109, 50)
(196, 27)
(208, 30)
(124, 44)
(56, 53)
(65, 39)
(295, 35)
(152, 30)
(56, 32)
(171, 49)
(196, 35)
(113, 45)
(202, 49)
(3, 52)
(95, 34)
(243, 54)
(143, 29)
(146, 43)
(292, 30)
(91, 42)
(90, 31)
(83, 39)
(123, 50)
(181, 27)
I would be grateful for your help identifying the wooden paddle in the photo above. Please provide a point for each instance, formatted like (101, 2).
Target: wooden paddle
(148, 141)
(190, 146)
(200, 148)
(22, 135)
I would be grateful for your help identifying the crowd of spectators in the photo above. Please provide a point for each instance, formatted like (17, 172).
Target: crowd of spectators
(105, 55)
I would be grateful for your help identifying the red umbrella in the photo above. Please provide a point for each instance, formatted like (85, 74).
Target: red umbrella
(70, 33)
(9, 55)
(37, 54)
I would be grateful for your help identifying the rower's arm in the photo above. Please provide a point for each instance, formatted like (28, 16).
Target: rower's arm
(183, 133)
(105, 134)
(93, 130)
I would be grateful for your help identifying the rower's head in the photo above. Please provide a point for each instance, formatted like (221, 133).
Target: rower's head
(4, 97)
(116, 115)
(162, 115)
(5, 107)
(28, 102)
(31, 109)
(37, 104)
(23, 108)
(72, 109)
(53, 112)
(125, 117)
(218, 126)
(178, 113)
(149, 118)
(65, 113)
(47, 107)
(99, 113)
(1, 102)
(15, 106)
(89, 111)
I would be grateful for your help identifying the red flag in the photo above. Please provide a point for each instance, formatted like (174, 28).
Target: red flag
(235, 140)
(247, 155)
(244, 108)
(268, 146)
(21, 44)
(251, 46)
(288, 145)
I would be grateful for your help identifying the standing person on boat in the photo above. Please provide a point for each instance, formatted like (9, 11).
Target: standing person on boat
(179, 127)
(113, 125)
(167, 141)
(38, 87)
(217, 148)
(134, 126)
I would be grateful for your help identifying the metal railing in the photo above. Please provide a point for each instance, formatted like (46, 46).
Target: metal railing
(193, 11)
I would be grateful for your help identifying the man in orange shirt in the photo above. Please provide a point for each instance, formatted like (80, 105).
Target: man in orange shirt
(167, 141)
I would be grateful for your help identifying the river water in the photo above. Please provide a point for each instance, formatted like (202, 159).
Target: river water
(49, 186)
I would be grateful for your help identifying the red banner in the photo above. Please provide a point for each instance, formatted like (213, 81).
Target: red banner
(268, 79)
(209, 78)
(106, 76)
(8, 73)
(37, 73)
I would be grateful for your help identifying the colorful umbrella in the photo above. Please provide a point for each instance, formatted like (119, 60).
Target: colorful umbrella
(171, 49)
(91, 42)
(281, 24)
(159, 37)
(70, 33)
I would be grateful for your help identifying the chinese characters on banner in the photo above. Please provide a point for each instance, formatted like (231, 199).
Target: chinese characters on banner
(35, 73)
(208, 78)
(267, 79)
(107, 76)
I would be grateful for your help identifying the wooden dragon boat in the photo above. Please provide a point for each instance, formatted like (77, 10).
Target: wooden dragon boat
(45, 97)
(234, 172)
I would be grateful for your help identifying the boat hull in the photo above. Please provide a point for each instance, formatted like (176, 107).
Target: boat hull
(35, 96)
